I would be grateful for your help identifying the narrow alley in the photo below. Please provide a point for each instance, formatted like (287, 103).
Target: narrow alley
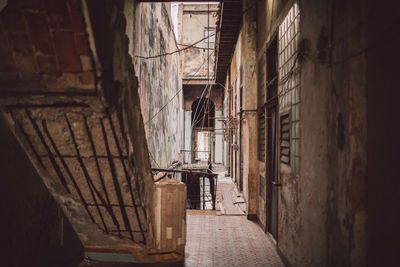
(199, 133)
(225, 237)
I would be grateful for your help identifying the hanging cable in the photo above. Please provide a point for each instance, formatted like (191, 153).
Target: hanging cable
(172, 98)
(152, 157)
(179, 50)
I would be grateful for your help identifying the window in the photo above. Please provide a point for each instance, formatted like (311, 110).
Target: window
(289, 83)
(285, 139)
(261, 135)
(210, 33)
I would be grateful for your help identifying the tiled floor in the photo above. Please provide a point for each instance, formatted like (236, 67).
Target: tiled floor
(227, 241)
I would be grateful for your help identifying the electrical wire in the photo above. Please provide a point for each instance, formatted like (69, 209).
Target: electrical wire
(172, 97)
(152, 157)
(179, 50)
(191, 75)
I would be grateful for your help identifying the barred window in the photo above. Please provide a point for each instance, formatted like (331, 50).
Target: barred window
(261, 135)
(285, 139)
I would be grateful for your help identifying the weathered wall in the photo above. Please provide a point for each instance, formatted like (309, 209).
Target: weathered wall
(244, 110)
(232, 87)
(159, 82)
(249, 109)
(194, 92)
(43, 48)
(83, 127)
(34, 229)
(87, 143)
(321, 213)
(197, 62)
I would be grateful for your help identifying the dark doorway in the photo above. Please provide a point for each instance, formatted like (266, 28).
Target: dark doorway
(203, 114)
(272, 157)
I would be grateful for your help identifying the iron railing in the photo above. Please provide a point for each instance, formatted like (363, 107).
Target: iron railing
(201, 186)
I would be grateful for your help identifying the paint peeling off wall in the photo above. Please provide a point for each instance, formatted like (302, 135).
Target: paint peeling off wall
(160, 82)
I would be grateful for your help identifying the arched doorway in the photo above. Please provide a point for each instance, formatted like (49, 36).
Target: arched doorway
(203, 122)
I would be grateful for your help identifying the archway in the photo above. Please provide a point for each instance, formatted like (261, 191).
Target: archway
(203, 114)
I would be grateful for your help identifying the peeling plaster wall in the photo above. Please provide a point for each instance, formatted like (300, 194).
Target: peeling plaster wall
(62, 105)
(243, 75)
(159, 82)
(43, 48)
(194, 21)
(321, 210)
(232, 85)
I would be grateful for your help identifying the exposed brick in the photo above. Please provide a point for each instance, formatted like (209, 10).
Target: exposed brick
(37, 5)
(58, 14)
(67, 55)
(44, 46)
(25, 64)
(39, 32)
(37, 24)
(3, 40)
(76, 15)
(12, 19)
(20, 43)
(7, 63)
(81, 44)
(47, 65)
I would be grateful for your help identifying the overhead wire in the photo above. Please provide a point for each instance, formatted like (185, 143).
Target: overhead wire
(177, 51)
(172, 97)
(170, 100)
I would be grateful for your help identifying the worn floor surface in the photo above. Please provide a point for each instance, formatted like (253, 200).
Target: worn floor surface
(227, 241)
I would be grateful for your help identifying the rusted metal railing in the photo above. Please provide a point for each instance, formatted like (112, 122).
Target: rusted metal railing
(201, 186)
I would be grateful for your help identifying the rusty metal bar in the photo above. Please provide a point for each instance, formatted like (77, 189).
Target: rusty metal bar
(127, 177)
(108, 206)
(53, 161)
(115, 181)
(92, 157)
(111, 205)
(204, 192)
(185, 171)
(67, 170)
(86, 173)
(190, 178)
(134, 231)
(133, 168)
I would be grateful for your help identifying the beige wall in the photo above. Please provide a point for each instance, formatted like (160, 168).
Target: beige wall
(321, 204)
(159, 82)
(193, 21)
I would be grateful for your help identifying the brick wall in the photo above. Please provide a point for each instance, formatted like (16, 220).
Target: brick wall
(44, 43)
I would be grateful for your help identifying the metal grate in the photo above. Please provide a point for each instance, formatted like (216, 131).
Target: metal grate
(289, 79)
(285, 139)
(201, 186)
(89, 156)
(261, 135)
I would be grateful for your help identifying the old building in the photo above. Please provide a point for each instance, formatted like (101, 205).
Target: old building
(203, 130)
(160, 81)
(302, 98)
(112, 125)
